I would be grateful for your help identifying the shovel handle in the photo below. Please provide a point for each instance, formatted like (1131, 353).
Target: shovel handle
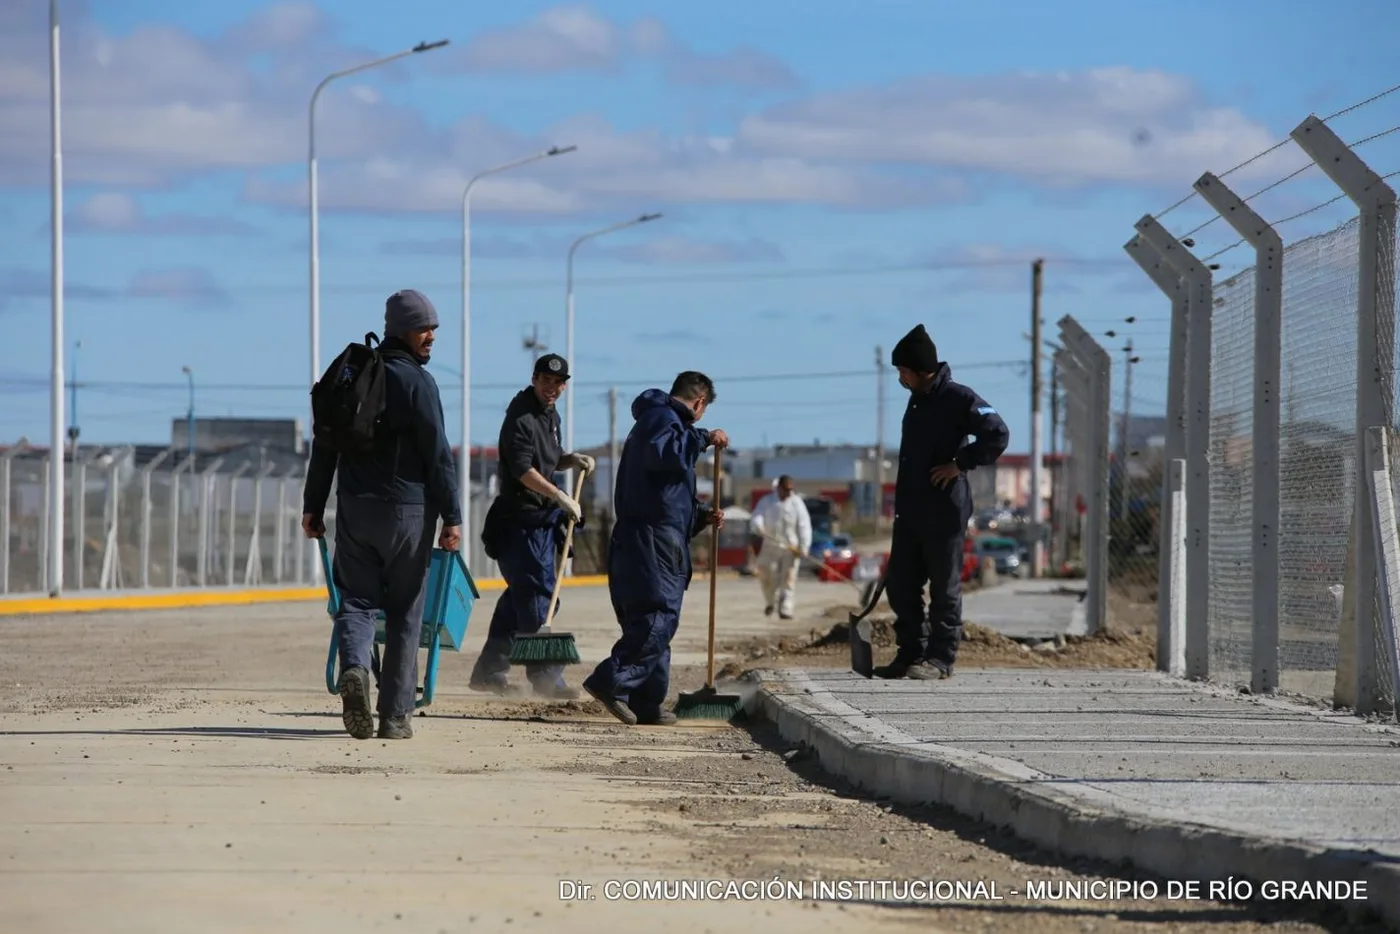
(714, 576)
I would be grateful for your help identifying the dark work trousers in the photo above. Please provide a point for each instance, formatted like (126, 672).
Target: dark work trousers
(382, 552)
(646, 581)
(926, 554)
(527, 563)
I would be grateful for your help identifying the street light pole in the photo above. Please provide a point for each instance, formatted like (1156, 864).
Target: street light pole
(569, 320)
(315, 198)
(464, 463)
(56, 426)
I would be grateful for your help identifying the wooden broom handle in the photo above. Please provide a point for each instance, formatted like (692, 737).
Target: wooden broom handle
(714, 574)
(564, 555)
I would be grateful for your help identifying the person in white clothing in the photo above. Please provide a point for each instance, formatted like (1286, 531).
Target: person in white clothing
(782, 533)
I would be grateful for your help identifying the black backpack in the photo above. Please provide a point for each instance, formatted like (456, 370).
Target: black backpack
(347, 402)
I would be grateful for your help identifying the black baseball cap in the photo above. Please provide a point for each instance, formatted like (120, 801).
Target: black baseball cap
(551, 364)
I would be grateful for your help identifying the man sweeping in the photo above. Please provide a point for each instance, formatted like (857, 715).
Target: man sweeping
(388, 502)
(782, 528)
(524, 528)
(649, 565)
(932, 506)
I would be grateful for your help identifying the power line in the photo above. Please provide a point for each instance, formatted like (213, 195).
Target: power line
(29, 381)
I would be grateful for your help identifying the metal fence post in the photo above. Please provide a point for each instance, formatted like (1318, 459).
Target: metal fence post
(1168, 280)
(206, 496)
(1380, 487)
(1375, 386)
(1199, 311)
(45, 566)
(1175, 661)
(111, 575)
(252, 569)
(233, 519)
(78, 492)
(186, 464)
(1268, 377)
(5, 510)
(1098, 366)
(146, 472)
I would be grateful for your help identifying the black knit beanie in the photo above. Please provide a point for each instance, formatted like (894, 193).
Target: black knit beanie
(916, 351)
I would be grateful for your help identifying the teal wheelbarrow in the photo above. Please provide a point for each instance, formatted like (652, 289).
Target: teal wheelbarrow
(447, 608)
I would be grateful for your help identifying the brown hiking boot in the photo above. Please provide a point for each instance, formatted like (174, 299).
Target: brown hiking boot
(356, 713)
(613, 706)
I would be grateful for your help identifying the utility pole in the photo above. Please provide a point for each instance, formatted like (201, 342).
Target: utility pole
(535, 344)
(1057, 484)
(1037, 543)
(879, 437)
(613, 454)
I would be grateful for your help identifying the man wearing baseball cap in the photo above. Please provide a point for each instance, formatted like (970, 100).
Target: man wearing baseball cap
(525, 527)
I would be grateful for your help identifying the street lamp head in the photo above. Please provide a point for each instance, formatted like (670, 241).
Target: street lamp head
(185, 370)
(559, 150)
(647, 217)
(429, 46)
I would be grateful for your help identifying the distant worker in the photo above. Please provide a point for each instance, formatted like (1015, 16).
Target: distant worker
(525, 528)
(782, 529)
(649, 565)
(932, 506)
(389, 497)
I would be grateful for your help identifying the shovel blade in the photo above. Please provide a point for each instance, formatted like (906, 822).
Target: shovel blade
(862, 656)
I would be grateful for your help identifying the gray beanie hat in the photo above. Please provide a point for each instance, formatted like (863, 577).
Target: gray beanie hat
(408, 311)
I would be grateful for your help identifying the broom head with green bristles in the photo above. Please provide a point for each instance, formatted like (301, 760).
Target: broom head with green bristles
(555, 648)
(709, 704)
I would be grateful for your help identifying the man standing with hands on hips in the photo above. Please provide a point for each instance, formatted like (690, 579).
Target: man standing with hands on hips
(932, 506)
(388, 502)
(526, 526)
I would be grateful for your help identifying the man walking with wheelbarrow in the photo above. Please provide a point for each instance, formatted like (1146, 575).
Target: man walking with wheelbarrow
(378, 427)
(525, 526)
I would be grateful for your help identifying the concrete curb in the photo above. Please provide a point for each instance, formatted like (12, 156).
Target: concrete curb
(886, 762)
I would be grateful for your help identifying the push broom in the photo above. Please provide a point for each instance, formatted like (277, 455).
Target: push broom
(551, 648)
(707, 703)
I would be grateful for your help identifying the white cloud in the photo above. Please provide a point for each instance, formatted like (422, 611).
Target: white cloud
(190, 287)
(1061, 129)
(121, 212)
(667, 249)
(562, 38)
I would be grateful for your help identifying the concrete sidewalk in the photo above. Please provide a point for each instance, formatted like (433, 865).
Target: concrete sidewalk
(1179, 779)
(1028, 609)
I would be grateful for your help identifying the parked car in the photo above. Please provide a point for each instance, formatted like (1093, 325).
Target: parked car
(828, 549)
(1006, 552)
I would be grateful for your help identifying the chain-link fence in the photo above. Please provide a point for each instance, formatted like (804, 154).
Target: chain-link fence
(1329, 302)
(142, 517)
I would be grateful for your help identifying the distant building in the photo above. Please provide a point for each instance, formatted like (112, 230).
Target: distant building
(221, 434)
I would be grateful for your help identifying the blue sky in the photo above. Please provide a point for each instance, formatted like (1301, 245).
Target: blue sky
(827, 182)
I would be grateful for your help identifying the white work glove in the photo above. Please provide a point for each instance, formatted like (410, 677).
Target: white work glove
(569, 505)
(584, 462)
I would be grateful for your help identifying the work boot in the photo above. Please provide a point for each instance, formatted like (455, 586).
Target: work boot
(660, 718)
(396, 728)
(356, 713)
(559, 691)
(929, 670)
(498, 686)
(768, 610)
(613, 706)
(898, 668)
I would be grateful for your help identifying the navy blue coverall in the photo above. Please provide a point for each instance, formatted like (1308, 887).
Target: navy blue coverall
(524, 531)
(387, 507)
(649, 565)
(930, 522)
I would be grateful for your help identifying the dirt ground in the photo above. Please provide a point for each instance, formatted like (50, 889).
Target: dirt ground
(186, 770)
